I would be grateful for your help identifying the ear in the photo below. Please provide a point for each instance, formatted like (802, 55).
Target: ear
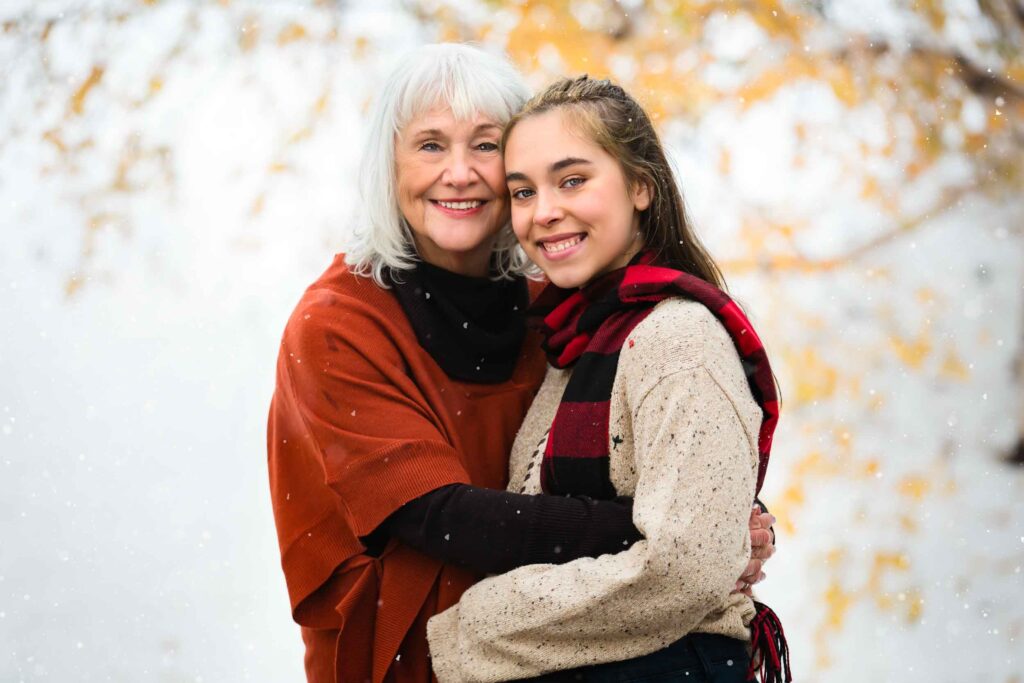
(641, 195)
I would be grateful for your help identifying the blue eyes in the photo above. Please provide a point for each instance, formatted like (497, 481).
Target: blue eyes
(482, 147)
(569, 183)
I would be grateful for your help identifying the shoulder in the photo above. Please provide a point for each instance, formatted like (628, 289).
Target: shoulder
(339, 284)
(679, 335)
(340, 311)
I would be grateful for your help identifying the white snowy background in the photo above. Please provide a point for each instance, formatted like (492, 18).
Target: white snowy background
(173, 174)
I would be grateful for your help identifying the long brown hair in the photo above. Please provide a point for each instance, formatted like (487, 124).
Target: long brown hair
(610, 117)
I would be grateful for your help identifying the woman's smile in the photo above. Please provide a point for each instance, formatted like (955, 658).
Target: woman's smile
(562, 246)
(459, 208)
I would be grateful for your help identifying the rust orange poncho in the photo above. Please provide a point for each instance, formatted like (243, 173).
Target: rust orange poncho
(363, 421)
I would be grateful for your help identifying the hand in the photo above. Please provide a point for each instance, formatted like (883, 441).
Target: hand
(762, 547)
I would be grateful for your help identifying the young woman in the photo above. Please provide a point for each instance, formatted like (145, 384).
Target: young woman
(658, 388)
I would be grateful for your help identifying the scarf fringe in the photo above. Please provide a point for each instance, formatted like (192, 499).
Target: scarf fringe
(769, 657)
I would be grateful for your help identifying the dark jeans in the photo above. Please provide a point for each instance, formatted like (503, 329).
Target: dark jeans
(696, 658)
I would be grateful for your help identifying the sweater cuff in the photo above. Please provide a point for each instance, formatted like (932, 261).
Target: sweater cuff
(546, 542)
(579, 527)
(375, 486)
(443, 637)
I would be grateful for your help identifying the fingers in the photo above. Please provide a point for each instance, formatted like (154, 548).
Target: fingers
(752, 571)
(761, 533)
(753, 566)
(761, 520)
(746, 582)
(760, 537)
(745, 585)
(762, 547)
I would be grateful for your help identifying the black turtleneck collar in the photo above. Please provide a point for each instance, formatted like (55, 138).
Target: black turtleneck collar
(473, 327)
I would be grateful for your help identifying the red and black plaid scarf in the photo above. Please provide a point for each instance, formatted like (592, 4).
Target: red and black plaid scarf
(587, 328)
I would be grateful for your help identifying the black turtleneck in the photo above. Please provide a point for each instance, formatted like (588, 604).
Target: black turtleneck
(472, 326)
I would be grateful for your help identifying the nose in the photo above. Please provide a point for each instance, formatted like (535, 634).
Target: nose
(547, 211)
(459, 171)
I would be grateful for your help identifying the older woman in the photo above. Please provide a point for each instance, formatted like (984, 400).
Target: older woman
(403, 376)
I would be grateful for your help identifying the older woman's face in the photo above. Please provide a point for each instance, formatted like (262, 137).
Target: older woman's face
(451, 188)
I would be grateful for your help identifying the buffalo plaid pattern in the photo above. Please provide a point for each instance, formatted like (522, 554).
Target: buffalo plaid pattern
(587, 328)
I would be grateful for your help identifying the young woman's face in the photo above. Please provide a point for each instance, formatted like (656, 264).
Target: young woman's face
(572, 209)
(451, 188)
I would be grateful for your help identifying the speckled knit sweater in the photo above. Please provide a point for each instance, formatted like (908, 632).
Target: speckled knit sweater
(683, 442)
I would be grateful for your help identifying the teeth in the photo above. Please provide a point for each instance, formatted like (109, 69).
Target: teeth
(461, 205)
(554, 247)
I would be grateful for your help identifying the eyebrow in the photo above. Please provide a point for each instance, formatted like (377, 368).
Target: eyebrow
(554, 168)
(438, 133)
(428, 132)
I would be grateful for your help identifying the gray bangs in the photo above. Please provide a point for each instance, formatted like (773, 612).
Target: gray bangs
(446, 76)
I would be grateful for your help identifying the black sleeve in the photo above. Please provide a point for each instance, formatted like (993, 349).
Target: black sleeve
(764, 508)
(494, 531)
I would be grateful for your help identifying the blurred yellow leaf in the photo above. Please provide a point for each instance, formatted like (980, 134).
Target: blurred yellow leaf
(291, 33)
(249, 33)
(911, 351)
(952, 367)
(815, 378)
(844, 86)
(78, 99)
(915, 487)
(257, 205)
(53, 137)
(837, 604)
(915, 605)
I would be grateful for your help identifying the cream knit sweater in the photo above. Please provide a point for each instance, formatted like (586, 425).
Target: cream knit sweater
(683, 430)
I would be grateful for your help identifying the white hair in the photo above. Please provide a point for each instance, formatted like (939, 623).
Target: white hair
(470, 82)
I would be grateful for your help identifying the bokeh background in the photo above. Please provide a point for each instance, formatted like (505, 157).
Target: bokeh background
(173, 174)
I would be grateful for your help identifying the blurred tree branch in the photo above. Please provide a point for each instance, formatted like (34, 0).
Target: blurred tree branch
(979, 79)
(796, 261)
(1007, 16)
